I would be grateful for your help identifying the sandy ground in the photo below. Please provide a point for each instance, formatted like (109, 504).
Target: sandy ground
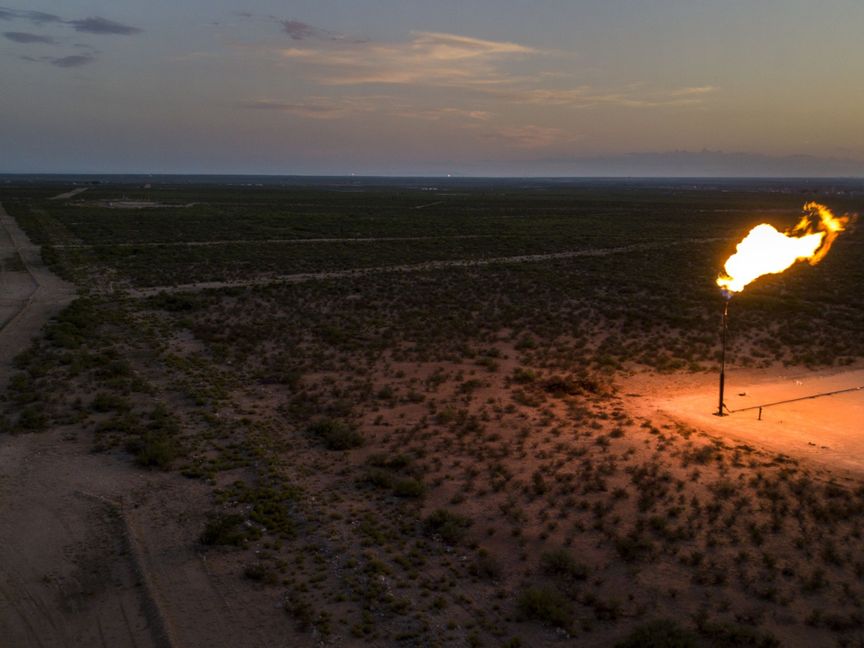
(824, 428)
(94, 552)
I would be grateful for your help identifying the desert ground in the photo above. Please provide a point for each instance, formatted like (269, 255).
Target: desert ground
(371, 416)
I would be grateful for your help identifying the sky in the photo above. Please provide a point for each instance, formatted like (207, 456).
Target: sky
(403, 87)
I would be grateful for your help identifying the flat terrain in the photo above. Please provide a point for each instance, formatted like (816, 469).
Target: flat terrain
(413, 415)
(814, 415)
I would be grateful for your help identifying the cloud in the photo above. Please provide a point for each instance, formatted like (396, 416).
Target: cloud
(26, 37)
(504, 94)
(633, 96)
(37, 17)
(73, 61)
(303, 109)
(438, 114)
(64, 62)
(530, 136)
(96, 25)
(697, 90)
(300, 31)
(475, 65)
(428, 58)
(91, 25)
(338, 107)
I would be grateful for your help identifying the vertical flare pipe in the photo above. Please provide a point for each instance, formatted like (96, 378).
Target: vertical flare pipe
(723, 351)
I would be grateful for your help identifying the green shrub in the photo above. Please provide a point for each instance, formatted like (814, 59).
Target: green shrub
(732, 635)
(633, 547)
(174, 303)
(224, 529)
(659, 634)
(274, 512)
(154, 449)
(105, 402)
(32, 419)
(523, 376)
(546, 604)
(450, 527)
(336, 435)
(72, 327)
(560, 564)
(261, 573)
(409, 487)
(378, 478)
(486, 566)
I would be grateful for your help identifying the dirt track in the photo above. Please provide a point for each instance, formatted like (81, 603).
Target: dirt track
(94, 552)
(270, 241)
(413, 267)
(29, 293)
(69, 194)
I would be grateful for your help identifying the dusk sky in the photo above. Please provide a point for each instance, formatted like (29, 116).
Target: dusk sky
(401, 87)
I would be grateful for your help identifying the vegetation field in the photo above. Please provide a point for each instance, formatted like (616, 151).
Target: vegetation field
(444, 455)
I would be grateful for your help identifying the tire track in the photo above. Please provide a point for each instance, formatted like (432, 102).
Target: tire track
(271, 241)
(139, 293)
(16, 247)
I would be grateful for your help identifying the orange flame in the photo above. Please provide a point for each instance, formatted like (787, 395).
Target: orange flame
(766, 251)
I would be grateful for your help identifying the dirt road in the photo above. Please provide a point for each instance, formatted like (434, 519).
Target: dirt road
(94, 552)
(69, 194)
(270, 241)
(29, 293)
(412, 267)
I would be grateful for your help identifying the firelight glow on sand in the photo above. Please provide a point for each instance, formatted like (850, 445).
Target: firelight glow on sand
(766, 251)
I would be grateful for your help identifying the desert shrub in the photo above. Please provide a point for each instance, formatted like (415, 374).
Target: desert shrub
(409, 487)
(395, 474)
(154, 449)
(571, 385)
(261, 573)
(561, 565)
(450, 527)
(302, 611)
(224, 529)
(273, 509)
(105, 402)
(336, 435)
(523, 376)
(378, 478)
(659, 634)
(174, 303)
(32, 419)
(394, 462)
(731, 635)
(632, 547)
(485, 566)
(69, 330)
(525, 342)
(546, 604)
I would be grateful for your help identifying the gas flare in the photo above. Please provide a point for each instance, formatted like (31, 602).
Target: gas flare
(766, 251)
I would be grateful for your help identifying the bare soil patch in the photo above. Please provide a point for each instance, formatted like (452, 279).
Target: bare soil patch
(802, 416)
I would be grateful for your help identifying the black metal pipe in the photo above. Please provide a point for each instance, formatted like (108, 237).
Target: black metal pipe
(727, 296)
